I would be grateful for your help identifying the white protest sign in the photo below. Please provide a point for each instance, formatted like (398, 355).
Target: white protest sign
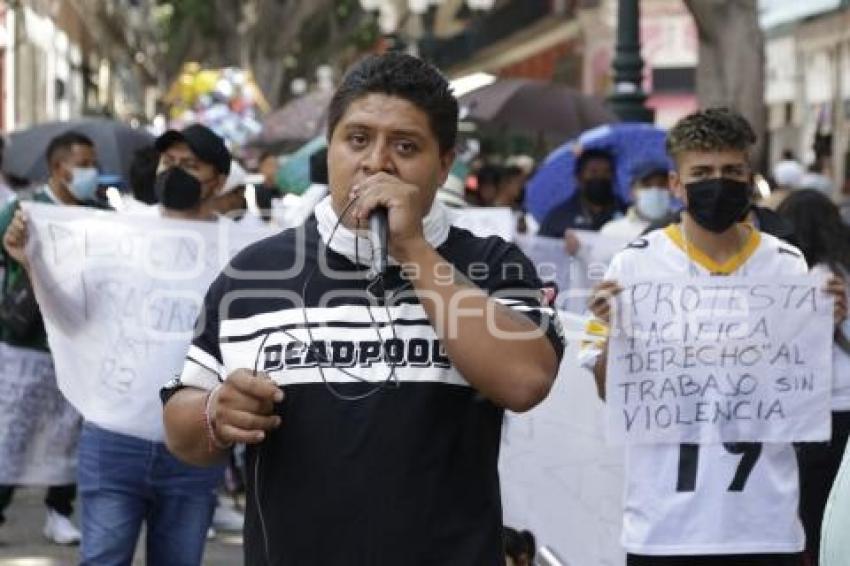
(731, 359)
(485, 221)
(120, 295)
(38, 445)
(559, 478)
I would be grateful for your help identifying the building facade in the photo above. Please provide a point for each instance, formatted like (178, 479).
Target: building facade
(807, 89)
(572, 42)
(57, 64)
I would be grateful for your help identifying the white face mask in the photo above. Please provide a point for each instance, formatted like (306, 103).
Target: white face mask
(653, 203)
(83, 183)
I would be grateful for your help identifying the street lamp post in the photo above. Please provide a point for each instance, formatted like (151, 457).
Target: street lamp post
(627, 100)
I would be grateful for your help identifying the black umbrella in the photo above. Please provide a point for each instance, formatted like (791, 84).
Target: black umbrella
(114, 142)
(534, 106)
(298, 121)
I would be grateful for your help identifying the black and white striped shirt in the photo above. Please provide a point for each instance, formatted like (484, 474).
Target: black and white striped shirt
(407, 475)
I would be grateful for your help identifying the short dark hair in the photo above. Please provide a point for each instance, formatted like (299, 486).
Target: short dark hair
(713, 129)
(61, 144)
(819, 231)
(319, 167)
(489, 175)
(404, 76)
(588, 155)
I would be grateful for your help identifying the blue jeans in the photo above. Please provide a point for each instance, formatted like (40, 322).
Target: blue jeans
(124, 481)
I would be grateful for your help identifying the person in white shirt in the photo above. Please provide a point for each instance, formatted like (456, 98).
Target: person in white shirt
(127, 480)
(788, 173)
(651, 200)
(681, 505)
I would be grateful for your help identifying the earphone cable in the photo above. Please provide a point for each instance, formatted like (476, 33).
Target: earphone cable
(321, 360)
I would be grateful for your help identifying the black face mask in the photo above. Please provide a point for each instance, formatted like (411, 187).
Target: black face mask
(178, 190)
(716, 204)
(598, 191)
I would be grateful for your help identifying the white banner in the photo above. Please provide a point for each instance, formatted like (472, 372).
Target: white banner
(40, 429)
(485, 221)
(120, 295)
(559, 478)
(732, 359)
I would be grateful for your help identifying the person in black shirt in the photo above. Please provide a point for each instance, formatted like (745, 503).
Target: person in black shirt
(371, 404)
(593, 204)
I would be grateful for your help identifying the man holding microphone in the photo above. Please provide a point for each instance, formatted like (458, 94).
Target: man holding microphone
(372, 404)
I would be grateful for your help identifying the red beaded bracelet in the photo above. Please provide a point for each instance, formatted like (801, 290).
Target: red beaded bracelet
(209, 422)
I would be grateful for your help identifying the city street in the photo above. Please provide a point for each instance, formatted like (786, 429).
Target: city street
(521, 282)
(22, 544)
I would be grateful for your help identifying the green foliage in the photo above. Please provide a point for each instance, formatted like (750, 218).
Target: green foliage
(366, 35)
(180, 14)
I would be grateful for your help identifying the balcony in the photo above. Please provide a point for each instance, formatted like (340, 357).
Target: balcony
(485, 30)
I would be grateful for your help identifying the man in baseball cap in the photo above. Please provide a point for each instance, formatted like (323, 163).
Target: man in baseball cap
(193, 167)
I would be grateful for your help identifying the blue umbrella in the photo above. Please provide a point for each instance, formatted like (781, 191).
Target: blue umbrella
(631, 144)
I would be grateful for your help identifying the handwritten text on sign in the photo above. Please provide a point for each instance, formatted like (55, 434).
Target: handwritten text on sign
(38, 442)
(702, 360)
(120, 295)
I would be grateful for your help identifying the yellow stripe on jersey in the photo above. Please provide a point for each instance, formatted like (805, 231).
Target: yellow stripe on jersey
(674, 232)
(596, 327)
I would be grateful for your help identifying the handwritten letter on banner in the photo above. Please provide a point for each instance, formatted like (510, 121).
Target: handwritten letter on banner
(120, 295)
(708, 360)
(38, 443)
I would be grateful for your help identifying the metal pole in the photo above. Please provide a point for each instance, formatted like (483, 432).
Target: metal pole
(627, 100)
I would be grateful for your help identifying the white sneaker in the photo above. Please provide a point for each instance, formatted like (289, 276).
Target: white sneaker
(59, 529)
(227, 518)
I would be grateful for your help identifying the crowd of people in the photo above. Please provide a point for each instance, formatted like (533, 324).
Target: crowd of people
(361, 407)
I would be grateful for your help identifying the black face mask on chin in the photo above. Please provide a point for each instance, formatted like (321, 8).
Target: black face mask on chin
(598, 191)
(718, 203)
(177, 190)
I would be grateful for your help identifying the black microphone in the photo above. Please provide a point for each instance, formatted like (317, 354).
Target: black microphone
(378, 234)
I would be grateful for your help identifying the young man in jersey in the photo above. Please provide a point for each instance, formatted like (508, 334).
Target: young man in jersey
(701, 520)
(373, 431)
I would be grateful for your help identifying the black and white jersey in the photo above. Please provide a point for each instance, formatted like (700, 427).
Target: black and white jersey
(407, 475)
(689, 499)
